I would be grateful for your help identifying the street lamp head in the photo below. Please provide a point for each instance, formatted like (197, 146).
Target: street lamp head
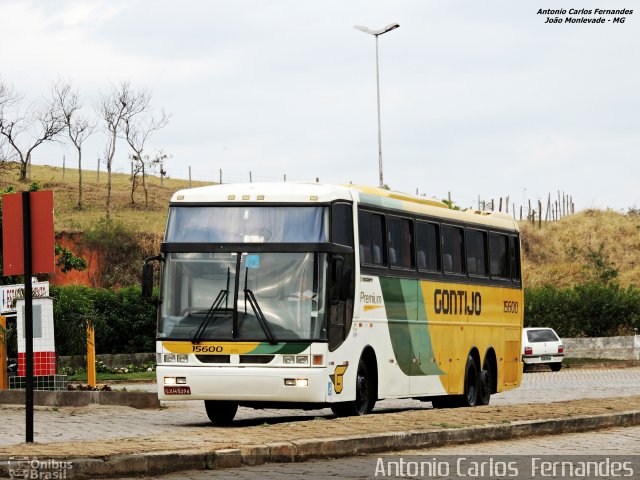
(388, 28)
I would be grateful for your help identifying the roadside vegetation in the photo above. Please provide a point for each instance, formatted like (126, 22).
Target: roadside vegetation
(67, 218)
(580, 273)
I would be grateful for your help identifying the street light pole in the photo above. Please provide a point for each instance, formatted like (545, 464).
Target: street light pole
(377, 33)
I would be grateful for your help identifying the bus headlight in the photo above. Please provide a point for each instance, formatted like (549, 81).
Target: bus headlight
(183, 358)
(302, 360)
(288, 359)
(169, 358)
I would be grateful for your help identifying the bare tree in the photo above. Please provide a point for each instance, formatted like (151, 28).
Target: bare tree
(122, 102)
(78, 127)
(138, 127)
(25, 131)
(142, 166)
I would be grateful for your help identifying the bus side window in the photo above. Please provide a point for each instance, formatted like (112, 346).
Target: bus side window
(477, 252)
(342, 281)
(499, 256)
(515, 258)
(400, 243)
(371, 233)
(342, 224)
(452, 250)
(427, 243)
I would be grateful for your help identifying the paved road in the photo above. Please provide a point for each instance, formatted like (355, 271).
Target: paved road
(96, 422)
(613, 442)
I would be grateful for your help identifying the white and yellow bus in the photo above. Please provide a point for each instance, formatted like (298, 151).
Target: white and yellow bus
(309, 295)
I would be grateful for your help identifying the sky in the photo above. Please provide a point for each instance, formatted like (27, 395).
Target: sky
(478, 99)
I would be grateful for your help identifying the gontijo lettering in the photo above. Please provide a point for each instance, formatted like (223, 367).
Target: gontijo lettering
(454, 302)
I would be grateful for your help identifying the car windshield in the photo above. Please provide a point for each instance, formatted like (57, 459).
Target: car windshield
(244, 296)
(542, 335)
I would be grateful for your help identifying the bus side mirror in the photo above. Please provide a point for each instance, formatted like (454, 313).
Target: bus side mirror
(147, 280)
(147, 276)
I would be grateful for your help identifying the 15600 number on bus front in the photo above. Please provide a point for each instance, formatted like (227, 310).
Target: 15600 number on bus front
(207, 349)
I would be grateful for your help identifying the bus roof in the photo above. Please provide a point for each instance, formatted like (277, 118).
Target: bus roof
(312, 192)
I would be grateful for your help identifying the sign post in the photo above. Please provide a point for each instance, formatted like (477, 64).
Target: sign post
(28, 311)
(4, 380)
(23, 256)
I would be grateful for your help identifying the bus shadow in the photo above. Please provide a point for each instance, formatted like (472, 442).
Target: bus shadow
(279, 418)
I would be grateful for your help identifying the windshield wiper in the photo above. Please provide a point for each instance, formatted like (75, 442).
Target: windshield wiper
(223, 295)
(257, 311)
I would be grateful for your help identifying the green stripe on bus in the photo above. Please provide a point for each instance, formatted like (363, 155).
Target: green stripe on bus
(410, 337)
(289, 348)
(385, 202)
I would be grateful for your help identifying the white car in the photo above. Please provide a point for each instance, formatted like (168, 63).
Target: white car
(542, 345)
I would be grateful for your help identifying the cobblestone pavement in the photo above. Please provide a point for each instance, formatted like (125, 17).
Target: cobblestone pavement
(102, 423)
(613, 442)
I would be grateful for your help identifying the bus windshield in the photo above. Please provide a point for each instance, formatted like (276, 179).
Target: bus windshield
(261, 224)
(244, 296)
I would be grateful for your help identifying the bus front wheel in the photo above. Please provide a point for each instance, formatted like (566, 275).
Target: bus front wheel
(220, 412)
(365, 395)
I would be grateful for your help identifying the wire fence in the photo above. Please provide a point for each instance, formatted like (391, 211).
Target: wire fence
(553, 209)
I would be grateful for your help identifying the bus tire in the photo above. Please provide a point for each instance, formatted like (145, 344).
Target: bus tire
(471, 384)
(220, 412)
(484, 391)
(365, 395)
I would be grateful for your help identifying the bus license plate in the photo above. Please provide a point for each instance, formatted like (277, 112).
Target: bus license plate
(544, 358)
(177, 390)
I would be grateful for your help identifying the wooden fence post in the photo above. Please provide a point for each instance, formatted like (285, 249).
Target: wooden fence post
(539, 214)
(4, 379)
(91, 355)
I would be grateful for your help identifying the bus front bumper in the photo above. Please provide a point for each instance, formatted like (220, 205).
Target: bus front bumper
(243, 384)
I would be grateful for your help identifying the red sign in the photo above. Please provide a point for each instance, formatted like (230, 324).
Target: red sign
(42, 235)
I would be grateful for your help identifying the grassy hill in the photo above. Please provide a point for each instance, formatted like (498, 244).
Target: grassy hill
(69, 219)
(590, 245)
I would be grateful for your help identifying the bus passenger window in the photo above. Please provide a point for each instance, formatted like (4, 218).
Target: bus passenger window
(515, 259)
(427, 247)
(371, 232)
(498, 256)
(452, 250)
(400, 243)
(342, 224)
(477, 253)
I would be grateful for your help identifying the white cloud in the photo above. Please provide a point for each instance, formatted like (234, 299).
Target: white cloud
(476, 98)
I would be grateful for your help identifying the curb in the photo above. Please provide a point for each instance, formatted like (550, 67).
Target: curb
(43, 398)
(300, 450)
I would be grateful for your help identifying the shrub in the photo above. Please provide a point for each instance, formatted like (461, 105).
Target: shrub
(591, 310)
(120, 252)
(124, 322)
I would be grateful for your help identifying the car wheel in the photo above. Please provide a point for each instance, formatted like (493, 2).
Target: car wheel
(555, 367)
(220, 412)
(365, 395)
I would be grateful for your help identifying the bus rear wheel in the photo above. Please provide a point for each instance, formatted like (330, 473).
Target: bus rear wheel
(485, 380)
(220, 412)
(471, 384)
(365, 395)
